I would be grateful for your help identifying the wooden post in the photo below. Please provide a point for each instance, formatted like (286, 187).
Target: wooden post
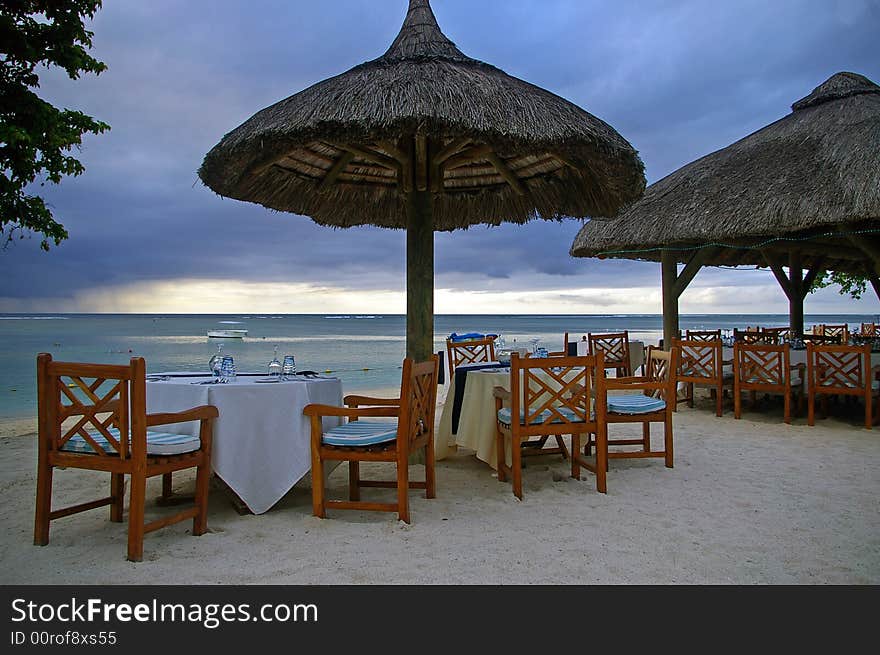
(796, 298)
(419, 275)
(669, 272)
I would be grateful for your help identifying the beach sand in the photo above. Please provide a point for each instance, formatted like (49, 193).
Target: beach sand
(750, 501)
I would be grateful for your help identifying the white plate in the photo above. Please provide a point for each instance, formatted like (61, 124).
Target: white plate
(268, 380)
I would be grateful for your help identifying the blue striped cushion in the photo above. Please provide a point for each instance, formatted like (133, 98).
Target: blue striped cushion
(158, 443)
(569, 415)
(634, 404)
(504, 417)
(360, 433)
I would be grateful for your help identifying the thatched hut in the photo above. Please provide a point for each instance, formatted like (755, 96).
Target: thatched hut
(425, 138)
(803, 192)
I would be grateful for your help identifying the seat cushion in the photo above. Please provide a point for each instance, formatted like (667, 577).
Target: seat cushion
(504, 417)
(635, 404)
(158, 443)
(360, 433)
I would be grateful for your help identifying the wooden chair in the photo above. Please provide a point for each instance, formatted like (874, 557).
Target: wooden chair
(777, 335)
(655, 404)
(820, 339)
(548, 397)
(569, 348)
(767, 369)
(700, 363)
(839, 331)
(841, 370)
(614, 347)
(868, 330)
(702, 335)
(93, 416)
(471, 351)
(753, 336)
(365, 441)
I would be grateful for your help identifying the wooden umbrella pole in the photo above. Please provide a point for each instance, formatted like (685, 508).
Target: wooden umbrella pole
(419, 275)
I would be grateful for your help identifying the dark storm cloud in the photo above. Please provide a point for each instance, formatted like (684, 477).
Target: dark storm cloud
(677, 79)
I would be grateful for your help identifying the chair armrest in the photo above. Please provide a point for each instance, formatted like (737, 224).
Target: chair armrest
(354, 401)
(315, 409)
(195, 414)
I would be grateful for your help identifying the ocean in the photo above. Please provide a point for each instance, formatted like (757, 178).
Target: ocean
(365, 351)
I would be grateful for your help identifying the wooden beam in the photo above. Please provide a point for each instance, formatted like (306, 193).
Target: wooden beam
(421, 162)
(394, 151)
(468, 156)
(450, 149)
(776, 266)
(334, 172)
(817, 267)
(693, 266)
(508, 175)
(367, 153)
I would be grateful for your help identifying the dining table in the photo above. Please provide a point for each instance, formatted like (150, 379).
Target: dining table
(261, 440)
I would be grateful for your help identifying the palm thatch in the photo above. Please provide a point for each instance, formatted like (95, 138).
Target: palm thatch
(810, 182)
(489, 147)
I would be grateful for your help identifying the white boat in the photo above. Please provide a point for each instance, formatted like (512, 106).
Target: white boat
(227, 334)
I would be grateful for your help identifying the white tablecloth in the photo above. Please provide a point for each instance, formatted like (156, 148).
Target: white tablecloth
(261, 442)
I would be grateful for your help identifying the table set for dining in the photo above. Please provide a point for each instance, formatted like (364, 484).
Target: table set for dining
(261, 439)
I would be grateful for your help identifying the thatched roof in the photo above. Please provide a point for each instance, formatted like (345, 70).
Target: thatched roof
(804, 181)
(497, 149)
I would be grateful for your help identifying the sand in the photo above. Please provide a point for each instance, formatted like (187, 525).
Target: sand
(750, 501)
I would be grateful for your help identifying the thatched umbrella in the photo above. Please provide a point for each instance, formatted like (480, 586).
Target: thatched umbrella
(804, 191)
(423, 139)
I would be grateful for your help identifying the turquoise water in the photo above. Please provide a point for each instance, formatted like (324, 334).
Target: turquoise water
(364, 351)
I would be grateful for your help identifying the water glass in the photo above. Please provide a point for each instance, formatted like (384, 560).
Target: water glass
(275, 365)
(227, 369)
(289, 366)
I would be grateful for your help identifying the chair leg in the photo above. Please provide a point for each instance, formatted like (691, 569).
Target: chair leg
(561, 444)
(318, 505)
(787, 408)
(500, 458)
(516, 466)
(136, 516)
(737, 404)
(430, 480)
(575, 455)
(403, 487)
(203, 479)
(166, 486)
(690, 394)
(601, 459)
(117, 492)
(868, 413)
(719, 400)
(646, 436)
(354, 479)
(43, 506)
(667, 440)
(811, 408)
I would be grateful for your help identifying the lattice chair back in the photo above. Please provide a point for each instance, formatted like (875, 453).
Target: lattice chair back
(702, 335)
(97, 409)
(553, 395)
(839, 331)
(659, 367)
(614, 347)
(868, 330)
(839, 368)
(420, 401)
(698, 361)
(761, 364)
(472, 351)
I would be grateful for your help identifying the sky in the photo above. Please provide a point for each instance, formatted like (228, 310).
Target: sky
(677, 78)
